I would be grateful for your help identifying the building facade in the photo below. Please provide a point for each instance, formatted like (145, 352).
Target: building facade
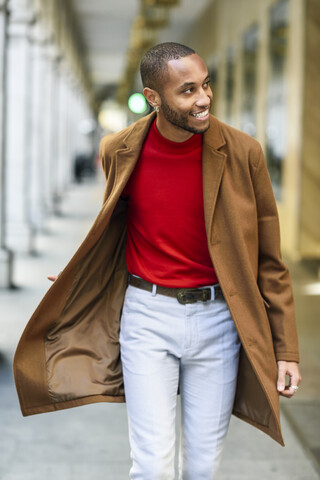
(263, 57)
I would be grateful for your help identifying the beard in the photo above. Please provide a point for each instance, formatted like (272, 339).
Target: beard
(180, 120)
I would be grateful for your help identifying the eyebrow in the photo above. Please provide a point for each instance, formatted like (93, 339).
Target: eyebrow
(190, 84)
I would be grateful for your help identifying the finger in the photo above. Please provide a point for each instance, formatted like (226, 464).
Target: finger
(281, 383)
(295, 377)
(294, 382)
(53, 278)
(287, 392)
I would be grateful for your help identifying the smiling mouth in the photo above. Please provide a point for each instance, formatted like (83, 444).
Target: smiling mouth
(201, 114)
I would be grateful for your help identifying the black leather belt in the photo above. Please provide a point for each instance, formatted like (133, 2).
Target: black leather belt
(183, 295)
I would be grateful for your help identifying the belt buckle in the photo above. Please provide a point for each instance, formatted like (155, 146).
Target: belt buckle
(205, 294)
(187, 295)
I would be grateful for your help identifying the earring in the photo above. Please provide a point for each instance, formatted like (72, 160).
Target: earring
(156, 108)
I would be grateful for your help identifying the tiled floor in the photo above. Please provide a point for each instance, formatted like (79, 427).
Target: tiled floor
(91, 443)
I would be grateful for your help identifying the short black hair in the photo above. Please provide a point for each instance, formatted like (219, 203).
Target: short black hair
(154, 62)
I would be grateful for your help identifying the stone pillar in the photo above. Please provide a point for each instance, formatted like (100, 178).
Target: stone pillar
(36, 199)
(74, 146)
(79, 121)
(63, 159)
(19, 231)
(85, 125)
(55, 92)
(50, 120)
(70, 126)
(6, 255)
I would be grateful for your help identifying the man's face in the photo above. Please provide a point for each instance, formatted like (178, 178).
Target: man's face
(186, 96)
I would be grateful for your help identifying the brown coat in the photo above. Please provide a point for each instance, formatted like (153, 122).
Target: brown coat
(69, 353)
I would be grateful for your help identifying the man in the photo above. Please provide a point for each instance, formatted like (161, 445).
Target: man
(207, 307)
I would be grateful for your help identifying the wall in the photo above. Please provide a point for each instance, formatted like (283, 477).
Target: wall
(221, 26)
(310, 182)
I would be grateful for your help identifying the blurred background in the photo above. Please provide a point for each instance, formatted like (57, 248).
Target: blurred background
(68, 76)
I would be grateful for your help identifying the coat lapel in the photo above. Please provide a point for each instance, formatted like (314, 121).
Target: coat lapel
(213, 163)
(127, 157)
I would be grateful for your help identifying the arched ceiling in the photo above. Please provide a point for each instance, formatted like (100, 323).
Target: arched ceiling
(104, 27)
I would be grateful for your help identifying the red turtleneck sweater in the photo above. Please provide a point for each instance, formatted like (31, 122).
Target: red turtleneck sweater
(166, 236)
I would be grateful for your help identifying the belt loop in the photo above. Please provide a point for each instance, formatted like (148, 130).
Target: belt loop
(154, 290)
(213, 293)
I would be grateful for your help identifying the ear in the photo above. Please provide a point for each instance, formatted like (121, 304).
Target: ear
(152, 97)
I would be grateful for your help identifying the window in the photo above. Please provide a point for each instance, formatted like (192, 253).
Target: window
(249, 80)
(276, 112)
(230, 71)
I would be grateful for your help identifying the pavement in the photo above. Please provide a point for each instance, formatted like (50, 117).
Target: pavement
(91, 442)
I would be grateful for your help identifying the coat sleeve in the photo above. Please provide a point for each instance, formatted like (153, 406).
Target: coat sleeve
(273, 275)
(106, 165)
(104, 157)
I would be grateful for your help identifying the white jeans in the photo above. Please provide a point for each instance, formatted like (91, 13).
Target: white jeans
(166, 345)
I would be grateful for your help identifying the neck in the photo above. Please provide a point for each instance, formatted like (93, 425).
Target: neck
(171, 132)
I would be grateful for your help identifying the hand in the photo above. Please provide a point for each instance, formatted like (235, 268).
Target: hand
(53, 278)
(291, 369)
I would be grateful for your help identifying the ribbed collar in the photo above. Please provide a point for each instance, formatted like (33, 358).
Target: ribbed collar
(168, 146)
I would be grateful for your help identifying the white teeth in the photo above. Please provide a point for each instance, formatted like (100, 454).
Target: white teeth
(200, 115)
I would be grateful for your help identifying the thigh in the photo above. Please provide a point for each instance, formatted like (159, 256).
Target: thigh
(207, 386)
(151, 374)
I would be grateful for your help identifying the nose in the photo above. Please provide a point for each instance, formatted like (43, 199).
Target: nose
(204, 98)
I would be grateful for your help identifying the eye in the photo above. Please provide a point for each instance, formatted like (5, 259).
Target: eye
(188, 90)
(206, 84)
